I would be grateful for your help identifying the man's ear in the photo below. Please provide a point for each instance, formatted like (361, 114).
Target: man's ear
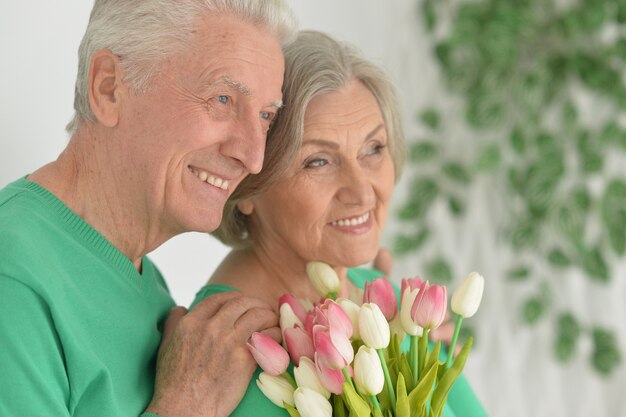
(246, 206)
(105, 87)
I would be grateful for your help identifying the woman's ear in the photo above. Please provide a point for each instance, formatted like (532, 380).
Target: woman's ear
(246, 206)
(105, 87)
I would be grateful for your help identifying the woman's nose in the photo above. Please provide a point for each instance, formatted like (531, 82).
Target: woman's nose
(356, 188)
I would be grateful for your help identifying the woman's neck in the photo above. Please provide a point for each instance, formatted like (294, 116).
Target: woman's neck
(269, 277)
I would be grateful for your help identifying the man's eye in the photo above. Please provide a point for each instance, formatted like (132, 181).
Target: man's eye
(223, 99)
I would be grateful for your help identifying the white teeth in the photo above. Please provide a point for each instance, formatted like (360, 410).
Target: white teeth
(351, 222)
(210, 179)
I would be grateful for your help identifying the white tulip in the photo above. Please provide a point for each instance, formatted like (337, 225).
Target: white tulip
(352, 311)
(306, 376)
(409, 326)
(276, 388)
(311, 403)
(466, 298)
(323, 277)
(368, 372)
(287, 318)
(373, 326)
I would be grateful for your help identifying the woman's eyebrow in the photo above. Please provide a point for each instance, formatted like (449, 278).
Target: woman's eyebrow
(335, 145)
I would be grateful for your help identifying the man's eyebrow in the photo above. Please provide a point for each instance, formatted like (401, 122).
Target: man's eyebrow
(244, 89)
(238, 85)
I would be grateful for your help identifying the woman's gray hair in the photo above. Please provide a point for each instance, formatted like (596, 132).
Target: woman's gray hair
(315, 64)
(144, 32)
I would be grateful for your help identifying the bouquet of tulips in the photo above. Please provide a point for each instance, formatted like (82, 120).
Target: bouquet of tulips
(381, 379)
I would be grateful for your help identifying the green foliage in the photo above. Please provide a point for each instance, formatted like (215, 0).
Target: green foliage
(605, 356)
(566, 337)
(513, 64)
(439, 270)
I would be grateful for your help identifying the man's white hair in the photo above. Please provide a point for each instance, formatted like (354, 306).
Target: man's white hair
(143, 32)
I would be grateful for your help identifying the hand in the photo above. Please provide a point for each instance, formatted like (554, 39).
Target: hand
(383, 261)
(203, 364)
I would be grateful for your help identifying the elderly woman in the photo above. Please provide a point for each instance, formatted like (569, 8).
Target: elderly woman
(327, 198)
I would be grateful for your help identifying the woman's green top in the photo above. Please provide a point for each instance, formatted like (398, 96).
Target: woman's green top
(462, 401)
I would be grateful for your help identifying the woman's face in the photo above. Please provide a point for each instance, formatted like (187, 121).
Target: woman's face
(332, 204)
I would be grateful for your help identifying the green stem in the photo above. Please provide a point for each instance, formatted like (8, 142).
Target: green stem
(414, 359)
(459, 320)
(332, 295)
(375, 402)
(346, 375)
(289, 378)
(423, 351)
(390, 390)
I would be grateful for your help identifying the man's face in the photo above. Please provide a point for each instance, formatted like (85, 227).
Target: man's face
(201, 126)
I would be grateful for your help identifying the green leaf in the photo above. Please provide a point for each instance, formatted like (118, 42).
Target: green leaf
(439, 270)
(518, 143)
(594, 264)
(450, 375)
(557, 258)
(339, 407)
(456, 172)
(617, 238)
(613, 214)
(430, 117)
(606, 355)
(533, 309)
(356, 404)
(409, 243)
(402, 404)
(422, 151)
(567, 335)
(419, 395)
(489, 158)
(518, 273)
(525, 234)
(405, 370)
(292, 410)
(430, 17)
(456, 206)
(570, 114)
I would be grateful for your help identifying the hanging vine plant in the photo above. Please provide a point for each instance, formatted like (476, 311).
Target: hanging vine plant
(523, 68)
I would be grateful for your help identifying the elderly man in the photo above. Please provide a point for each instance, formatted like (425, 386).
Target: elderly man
(173, 102)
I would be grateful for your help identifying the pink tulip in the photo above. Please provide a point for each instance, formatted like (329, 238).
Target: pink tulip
(429, 307)
(381, 292)
(333, 349)
(299, 344)
(331, 379)
(295, 304)
(331, 314)
(411, 283)
(270, 356)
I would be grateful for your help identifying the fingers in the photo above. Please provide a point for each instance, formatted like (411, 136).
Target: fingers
(176, 314)
(383, 261)
(256, 320)
(274, 333)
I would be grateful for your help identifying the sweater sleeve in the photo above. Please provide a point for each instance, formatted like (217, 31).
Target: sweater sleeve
(34, 381)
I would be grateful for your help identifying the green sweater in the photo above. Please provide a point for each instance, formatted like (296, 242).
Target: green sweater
(462, 401)
(79, 325)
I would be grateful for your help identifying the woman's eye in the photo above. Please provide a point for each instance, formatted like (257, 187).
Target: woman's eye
(316, 163)
(376, 149)
(223, 99)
